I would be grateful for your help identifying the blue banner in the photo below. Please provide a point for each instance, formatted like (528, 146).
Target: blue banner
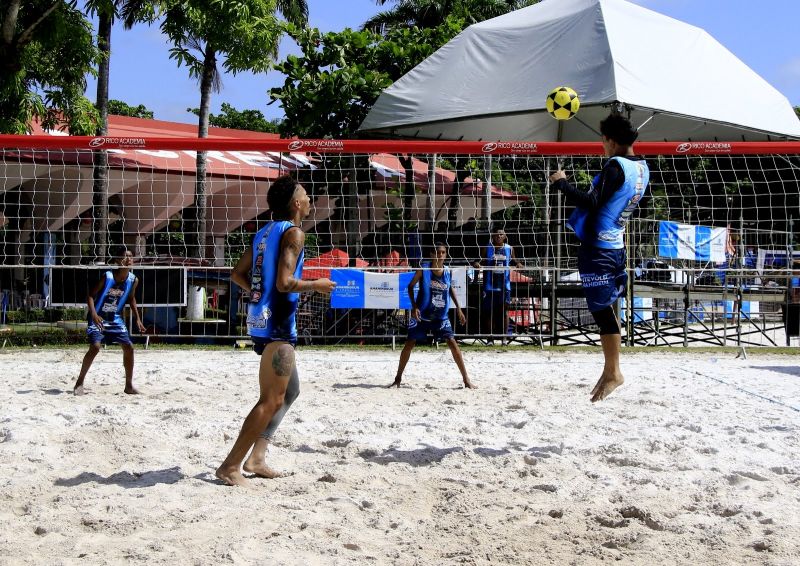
(695, 243)
(349, 292)
(356, 289)
(667, 239)
(405, 279)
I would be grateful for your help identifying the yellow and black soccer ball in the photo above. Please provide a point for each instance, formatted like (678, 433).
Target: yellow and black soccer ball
(562, 103)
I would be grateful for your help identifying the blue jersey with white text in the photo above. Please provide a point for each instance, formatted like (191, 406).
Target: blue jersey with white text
(433, 298)
(605, 227)
(271, 313)
(110, 301)
(497, 279)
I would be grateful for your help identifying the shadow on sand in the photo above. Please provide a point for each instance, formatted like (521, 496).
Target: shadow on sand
(420, 457)
(126, 479)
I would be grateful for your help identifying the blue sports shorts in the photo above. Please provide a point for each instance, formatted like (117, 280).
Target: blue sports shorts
(111, 334)
(420, 329)
(603, 276)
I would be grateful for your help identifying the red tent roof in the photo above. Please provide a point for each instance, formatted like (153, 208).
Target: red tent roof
(318, 267)
(254, 165)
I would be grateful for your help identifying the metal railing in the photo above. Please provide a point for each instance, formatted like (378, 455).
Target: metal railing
(199, 304)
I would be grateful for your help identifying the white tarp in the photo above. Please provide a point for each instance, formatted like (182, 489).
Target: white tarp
(491, 81)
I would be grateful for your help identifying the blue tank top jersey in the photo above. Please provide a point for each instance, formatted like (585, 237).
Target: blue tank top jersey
(498, 279)
(271, 314)
(433, 299)
(110, 301)
(605, 228)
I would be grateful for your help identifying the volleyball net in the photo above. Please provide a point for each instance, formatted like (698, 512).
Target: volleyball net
(711, 249)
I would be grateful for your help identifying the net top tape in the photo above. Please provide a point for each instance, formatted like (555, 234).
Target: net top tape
(524, 148)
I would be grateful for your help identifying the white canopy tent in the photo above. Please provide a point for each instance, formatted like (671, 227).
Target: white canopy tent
(491, 81)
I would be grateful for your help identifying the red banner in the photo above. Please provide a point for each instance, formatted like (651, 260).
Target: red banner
(391, 146)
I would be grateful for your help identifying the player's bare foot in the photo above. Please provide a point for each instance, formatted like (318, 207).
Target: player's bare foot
(131, 390)
(469, 385)
(79, 390)
(262, 470)
(232, 477)
(607, 383)
(395, 383)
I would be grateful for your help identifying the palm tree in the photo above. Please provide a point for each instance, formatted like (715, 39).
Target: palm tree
(432, 13)
(209, 31)
(132, 11)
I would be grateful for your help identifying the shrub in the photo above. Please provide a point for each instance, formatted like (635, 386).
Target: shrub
(74, 313)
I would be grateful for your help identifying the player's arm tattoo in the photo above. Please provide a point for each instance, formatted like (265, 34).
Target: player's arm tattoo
(291, 248)
(290, 254)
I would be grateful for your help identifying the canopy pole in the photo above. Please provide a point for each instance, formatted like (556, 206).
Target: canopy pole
(559, 209)
(487, 192)
(431, 213)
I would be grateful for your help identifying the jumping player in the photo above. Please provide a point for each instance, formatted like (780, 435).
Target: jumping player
(271, 272)
(599, 222)
(107, 300)
(429, 310)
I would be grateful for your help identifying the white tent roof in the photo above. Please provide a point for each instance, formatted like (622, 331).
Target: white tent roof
(491, 81)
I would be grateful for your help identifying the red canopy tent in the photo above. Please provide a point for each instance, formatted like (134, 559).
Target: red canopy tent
(318, 267)
(517, 277)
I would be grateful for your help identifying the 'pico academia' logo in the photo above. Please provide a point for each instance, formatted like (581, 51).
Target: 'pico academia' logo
(704, 147)
(319, 145)
(511, 147)
(122, 143)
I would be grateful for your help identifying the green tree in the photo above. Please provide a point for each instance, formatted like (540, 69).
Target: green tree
(107, 11)
(246, 33)
(797, 111)
(251, 120)
(433, 13)
(46, 52)
(330, 88)
(120, 108)
(427, 14)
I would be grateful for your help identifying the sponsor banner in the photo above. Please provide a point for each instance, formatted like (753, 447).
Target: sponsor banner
(704, 147)
(349, 291)
(403, 301)
(382, 290)
(356, 289)
(156, 142)
(696, 243)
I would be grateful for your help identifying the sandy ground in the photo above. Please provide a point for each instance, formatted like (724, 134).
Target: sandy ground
(696, 460)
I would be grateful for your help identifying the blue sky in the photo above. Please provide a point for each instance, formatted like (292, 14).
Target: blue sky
(762, 35)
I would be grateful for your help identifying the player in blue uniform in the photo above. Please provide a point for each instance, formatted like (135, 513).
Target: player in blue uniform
(496, 284)
(429, 312)
(599, 222)
(107, 300)
(270, 270)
